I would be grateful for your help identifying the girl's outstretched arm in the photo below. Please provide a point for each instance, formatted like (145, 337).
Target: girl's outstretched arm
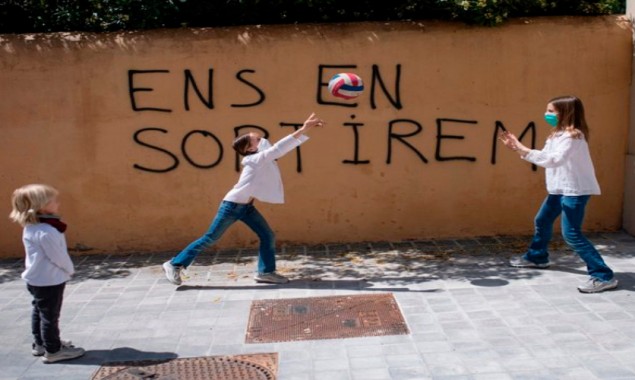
(511, 141)
(285, 145)
(557, 156)
(311, 122)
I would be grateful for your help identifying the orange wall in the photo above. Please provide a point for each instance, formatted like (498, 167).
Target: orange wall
(67, 119)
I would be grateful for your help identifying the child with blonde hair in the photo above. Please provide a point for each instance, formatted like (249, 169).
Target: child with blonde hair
(48, 267)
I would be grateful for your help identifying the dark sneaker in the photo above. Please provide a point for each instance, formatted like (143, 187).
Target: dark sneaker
(521, 262)
(172, 273)
(271, 278)
(594, 285)
(67, 352)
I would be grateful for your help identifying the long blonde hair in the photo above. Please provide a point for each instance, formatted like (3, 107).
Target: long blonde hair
(570, 117)
(28, 200)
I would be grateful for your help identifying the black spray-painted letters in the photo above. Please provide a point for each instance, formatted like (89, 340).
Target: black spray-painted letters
(199, 95)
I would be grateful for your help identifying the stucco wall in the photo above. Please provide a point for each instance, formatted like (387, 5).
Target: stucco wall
(76, 112)
(629, 188)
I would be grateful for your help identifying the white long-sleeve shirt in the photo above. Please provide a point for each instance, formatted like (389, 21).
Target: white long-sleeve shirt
(260, 177)
(47, 261)
(568, 166)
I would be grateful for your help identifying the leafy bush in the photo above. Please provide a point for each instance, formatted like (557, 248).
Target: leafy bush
(22, 16)
(494, 12)
(19, 16)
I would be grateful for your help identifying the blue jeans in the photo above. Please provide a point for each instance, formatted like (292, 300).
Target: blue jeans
(228, 214)
(572, 210)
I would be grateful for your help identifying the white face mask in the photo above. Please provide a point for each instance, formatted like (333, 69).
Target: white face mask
(263, 144)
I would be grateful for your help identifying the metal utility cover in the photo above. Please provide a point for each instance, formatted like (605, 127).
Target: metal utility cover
(238, 367)
(294, 319)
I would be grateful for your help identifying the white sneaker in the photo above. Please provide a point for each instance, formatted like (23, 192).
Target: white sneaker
(66, 352)
(594, 285)
(172, 273)
(521, 262)
(38, 350)
(271, 278)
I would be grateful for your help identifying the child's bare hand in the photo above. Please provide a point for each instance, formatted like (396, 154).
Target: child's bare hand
(313, 121)
(509, 140)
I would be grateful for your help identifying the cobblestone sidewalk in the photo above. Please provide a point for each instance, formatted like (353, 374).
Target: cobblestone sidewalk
(470, 315)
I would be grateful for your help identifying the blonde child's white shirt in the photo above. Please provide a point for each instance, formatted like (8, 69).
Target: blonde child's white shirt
(568, 165)
(47, 261)
(260, 177)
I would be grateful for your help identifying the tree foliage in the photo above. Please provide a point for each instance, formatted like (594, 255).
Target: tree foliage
(26, 16)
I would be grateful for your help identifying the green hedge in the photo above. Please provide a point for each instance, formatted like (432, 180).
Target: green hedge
(24, 16)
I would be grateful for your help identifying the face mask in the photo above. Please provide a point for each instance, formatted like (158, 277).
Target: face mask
(551, 119)
(263, 144)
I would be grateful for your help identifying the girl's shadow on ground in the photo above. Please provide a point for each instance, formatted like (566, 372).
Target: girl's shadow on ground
(308, 284)
(626, 281)
(100, 357)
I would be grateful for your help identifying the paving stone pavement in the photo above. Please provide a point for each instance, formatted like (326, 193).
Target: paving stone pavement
(470, 315)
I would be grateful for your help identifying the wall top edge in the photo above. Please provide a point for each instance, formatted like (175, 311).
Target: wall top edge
(328, 29)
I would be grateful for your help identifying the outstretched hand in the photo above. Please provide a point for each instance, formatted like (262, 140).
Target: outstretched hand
(312, 121)
(509, 140)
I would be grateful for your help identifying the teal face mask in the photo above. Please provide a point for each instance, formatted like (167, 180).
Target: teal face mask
(551, 119)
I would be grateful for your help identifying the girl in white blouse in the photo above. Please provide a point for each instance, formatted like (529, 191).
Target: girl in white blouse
(259, 180)
(571, 181)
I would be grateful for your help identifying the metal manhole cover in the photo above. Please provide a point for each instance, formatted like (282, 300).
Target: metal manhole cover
(238, 367)
(294, 319)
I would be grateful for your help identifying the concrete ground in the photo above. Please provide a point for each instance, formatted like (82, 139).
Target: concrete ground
(470, 315)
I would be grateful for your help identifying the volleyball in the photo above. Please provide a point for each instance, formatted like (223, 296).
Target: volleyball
(346, 85)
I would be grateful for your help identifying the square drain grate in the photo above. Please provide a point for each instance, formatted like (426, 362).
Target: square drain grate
(237, 367)
(295, 319)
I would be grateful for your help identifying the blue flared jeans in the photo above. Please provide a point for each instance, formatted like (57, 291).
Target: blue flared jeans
(228, 214)
(571, 210)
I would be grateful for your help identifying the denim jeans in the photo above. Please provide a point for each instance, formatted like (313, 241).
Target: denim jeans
(571, 210)
(47, 306)
(228, 214)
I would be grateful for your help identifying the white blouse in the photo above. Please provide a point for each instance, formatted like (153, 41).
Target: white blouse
(47, 261)
(260, 177)
(568, 166)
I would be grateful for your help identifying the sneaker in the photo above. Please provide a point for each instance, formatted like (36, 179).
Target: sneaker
(271, 278)
(521, 262)
(172, 273)
(38, 350)
(66, 352)
(594, 285)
